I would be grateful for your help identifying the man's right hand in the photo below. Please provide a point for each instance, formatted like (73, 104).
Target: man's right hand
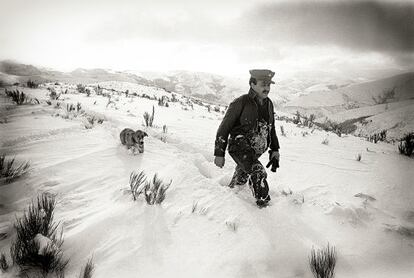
(219, 161)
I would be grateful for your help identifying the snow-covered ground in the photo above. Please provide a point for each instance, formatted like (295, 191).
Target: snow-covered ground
(227, 235)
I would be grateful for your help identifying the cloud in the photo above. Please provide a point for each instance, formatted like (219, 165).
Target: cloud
(196, 34)
(360, 26)
(259, 30)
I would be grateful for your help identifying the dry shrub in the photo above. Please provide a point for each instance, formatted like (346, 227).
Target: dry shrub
(322, 262)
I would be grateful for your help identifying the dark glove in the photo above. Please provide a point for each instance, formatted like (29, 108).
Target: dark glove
(272, 161)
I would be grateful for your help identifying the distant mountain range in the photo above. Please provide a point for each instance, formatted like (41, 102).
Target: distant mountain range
(306, 92)
(206, 86)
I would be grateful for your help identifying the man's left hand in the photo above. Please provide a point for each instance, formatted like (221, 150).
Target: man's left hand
(274, 154)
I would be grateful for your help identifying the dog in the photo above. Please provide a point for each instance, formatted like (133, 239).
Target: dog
(133, 139)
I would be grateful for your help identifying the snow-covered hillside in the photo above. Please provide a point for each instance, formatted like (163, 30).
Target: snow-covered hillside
(384, 104)
(362, 94)
(203, 228)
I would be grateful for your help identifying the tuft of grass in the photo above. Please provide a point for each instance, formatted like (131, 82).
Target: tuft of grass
(19, 97)
(87, 271)
(325, 141)
(322, 262)
(72, 107)
(92, 120)
(99, 90)
(10, 171)
(164, 135)
(194, 207)
(135, 182)
(232, 225)
(155, 191)
(110, 101)
(26, 251)
(149, 119)
(282, 131)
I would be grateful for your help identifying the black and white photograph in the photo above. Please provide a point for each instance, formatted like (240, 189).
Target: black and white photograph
(207, 139)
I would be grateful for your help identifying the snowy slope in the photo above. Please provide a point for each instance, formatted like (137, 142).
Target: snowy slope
(367, 100)
(89, 171)
(397, 122)
(361, 94)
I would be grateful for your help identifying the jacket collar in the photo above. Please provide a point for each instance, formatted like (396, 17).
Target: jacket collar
(253, 95)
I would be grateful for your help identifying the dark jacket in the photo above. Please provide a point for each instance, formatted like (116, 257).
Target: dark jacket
(241, 119)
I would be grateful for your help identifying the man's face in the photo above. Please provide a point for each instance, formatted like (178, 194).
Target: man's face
(262, 88)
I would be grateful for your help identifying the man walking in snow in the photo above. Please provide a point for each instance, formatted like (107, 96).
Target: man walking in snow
(248, 129)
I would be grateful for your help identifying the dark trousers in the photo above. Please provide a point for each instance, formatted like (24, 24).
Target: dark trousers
(249, 169)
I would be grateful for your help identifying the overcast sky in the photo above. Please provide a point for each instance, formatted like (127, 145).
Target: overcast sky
(218, 36)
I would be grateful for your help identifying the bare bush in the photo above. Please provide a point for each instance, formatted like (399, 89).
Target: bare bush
(99, 90)
(163, 101)
(73, 109)
(32, 84)
(331, 126)
(406, 145)
(311, 120)
(322, 262)
(136, 180)
(379, 136)
(308, 121)
(92, 120)
(19, 97)
(296, 119)
(81, 88)
(155, 191)
(29, 250)
(53, 95)
(149, 119)
(10, 171)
